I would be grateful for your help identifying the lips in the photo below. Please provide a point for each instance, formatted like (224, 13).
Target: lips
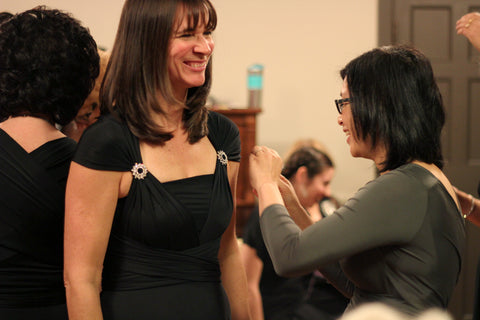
(197, 65)
(347, 134)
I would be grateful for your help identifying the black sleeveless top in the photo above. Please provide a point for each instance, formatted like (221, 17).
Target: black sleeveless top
(32, 196)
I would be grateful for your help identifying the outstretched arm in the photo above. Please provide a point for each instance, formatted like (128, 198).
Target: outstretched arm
(373, 217)
(273, 190)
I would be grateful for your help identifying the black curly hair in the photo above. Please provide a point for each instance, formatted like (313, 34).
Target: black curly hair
(48, 65)
(4, 16)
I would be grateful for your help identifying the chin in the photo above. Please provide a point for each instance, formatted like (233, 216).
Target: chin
(354, 153)
(309, 204)
(196, 82)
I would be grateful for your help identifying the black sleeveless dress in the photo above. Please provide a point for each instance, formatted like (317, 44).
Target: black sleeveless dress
(161, 261)
(32, 197)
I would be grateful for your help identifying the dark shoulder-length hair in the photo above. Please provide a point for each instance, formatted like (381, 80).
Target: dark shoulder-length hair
(316, 161)
(48, 65)
(396, 101)
(138, 69)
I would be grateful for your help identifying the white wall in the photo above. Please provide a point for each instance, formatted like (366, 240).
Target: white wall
(302, 44)
(100, 16)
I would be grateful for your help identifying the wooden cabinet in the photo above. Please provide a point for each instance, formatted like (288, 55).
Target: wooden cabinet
(245, 119)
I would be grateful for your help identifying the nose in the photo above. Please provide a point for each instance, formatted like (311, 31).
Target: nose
(340, 120)
(204, 45)
(323, 191)
(327, 192)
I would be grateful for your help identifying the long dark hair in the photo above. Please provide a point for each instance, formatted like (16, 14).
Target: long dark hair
(138, 71)
(396, 101)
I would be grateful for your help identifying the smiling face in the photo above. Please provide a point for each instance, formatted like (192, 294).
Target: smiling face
(189, 54)
(316, 188)
(358, 147)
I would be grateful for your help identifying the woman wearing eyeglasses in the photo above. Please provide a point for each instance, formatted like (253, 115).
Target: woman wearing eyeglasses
(399, 239)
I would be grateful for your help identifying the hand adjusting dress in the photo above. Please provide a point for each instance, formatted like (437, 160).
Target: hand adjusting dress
(161, 261)
(399, 240)
(32, 198)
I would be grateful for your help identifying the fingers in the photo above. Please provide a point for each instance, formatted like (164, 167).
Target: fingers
(265, 157)
(257, 150)
(264, 167)
(466, 21)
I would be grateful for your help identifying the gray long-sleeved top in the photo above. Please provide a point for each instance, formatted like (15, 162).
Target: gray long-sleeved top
(399, 240)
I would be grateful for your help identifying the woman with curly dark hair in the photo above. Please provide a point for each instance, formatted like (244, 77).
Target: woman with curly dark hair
(150, 219)
(48, 65)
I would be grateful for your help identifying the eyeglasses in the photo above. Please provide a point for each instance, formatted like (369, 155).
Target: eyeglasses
(340, 103)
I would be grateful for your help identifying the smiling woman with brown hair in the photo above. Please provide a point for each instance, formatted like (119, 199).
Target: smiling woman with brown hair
(150, 219)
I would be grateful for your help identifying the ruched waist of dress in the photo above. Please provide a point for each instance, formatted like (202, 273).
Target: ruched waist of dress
(130, 265)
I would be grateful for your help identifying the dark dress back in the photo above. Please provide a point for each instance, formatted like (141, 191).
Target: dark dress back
(32, 196)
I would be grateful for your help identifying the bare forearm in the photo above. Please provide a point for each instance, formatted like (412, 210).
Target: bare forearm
(235, 283)
(268, 194)
(294, 207)
(83, 303)
(255, 303)
(299, 215)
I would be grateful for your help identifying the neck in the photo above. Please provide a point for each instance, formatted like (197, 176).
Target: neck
(180, 94)
(379, 156)
(314, 211)
(26, 118)
(32, 115)
(171, 119)
(30, 132)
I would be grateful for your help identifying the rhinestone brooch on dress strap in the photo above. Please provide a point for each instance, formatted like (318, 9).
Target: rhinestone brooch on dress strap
(139, 171)
(222, 157)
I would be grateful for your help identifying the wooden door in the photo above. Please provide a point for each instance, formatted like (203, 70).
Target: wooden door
(430, 26)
